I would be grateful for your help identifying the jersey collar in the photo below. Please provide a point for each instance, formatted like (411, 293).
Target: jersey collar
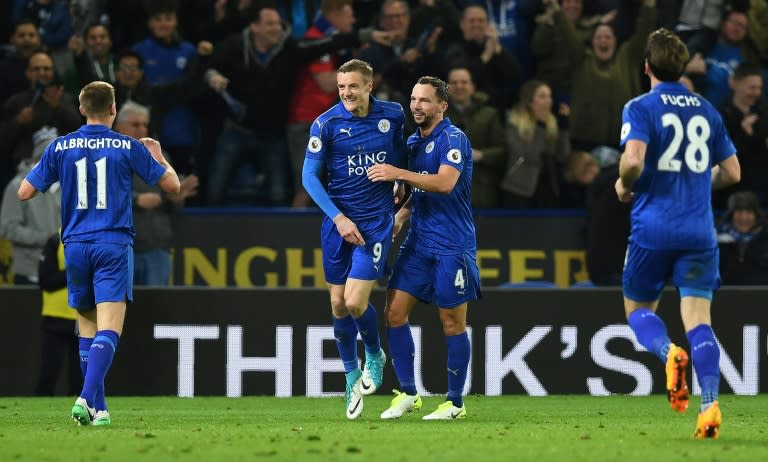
(94, 128)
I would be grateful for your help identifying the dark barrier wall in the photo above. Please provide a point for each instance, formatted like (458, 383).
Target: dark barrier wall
(237, 342)
(284, 250)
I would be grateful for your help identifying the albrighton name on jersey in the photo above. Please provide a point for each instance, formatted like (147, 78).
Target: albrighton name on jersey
(92, 143)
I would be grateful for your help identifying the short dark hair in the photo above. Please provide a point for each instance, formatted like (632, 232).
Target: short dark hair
(358, 65)
(92, 25)
(156, 7)
(745, 70)
(96, 98)
(129, 54)
(441, 88)
(666, 55)
(254, 12)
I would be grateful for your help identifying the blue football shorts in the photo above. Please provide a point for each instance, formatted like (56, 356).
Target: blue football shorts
(445, 280)
(98, 273)
(342, 260)
(695, 273)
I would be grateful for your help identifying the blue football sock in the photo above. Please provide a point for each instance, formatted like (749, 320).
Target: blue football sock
(345, 331)
(99, 360)
(85, 349)
(706, 361)
(458, 362)
(650, 332)
(369, 330)
(403, 350)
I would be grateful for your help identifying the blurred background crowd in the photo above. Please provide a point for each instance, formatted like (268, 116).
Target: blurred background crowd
(230, 88)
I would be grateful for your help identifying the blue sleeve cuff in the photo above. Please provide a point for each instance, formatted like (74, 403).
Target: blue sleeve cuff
(310, 178)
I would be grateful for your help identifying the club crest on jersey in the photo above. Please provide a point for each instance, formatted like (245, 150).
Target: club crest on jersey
(625, 130)
(430, 147)
(454, 155)
(384, 125)
(314, 145)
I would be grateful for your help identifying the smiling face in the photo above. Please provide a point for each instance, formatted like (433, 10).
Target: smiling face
(541, 103)
(98, 42)
(426, 108)
(460, 86)
(474, 23)
(267, 29)
(604, 42)
(747, 91)
(354, 92)
(163, 26)
(744, 220)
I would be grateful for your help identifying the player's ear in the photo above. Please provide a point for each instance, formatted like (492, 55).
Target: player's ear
(82, 112)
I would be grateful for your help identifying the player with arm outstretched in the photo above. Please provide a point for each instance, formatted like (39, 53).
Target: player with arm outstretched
(438, 259)
(356, 234)
(95, 167)
(676, 150)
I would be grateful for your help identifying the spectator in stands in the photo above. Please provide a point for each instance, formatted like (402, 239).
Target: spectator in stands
(316, 88)
(28, 225)
(580, 170)
(13, 64)
(550, 48)
(130, 84)
(59, 329)
(698, 23)
(480, 50)
(429, 15)
(743, 240)
(52, 18)
(514, 22)
(92, 59)
(710, 72)
(469, 110)
(84, 13)
(167, 59)
(746, 119)
(42, 104)
(398, 64)
(607, 227)
(536, 147)
(604, 78)
(254, 70)
(153, 209)
(213, 20)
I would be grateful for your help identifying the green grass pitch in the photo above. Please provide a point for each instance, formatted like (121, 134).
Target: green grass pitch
(513, 428)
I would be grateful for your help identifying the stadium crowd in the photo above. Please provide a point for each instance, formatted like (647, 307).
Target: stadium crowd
(234, 85)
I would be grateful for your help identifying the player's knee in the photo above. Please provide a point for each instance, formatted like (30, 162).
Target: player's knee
(395, 318)
(453, 327)
(338, 307)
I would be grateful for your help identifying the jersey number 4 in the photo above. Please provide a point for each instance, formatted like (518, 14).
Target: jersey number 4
(82, 183)
(696, 134)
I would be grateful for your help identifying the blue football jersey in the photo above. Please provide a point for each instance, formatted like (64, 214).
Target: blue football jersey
(95, 167)
(685, 138)
(348, 145)
(442, 223)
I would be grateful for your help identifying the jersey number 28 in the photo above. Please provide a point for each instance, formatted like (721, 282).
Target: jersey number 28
(696, 134)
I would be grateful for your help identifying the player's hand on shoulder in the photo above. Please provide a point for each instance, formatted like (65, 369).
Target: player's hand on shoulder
(153, 146)
(625, 195)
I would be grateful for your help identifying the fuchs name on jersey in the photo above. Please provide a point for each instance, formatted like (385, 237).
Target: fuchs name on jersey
(358, 164)
(92, 143)
(681, 100)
